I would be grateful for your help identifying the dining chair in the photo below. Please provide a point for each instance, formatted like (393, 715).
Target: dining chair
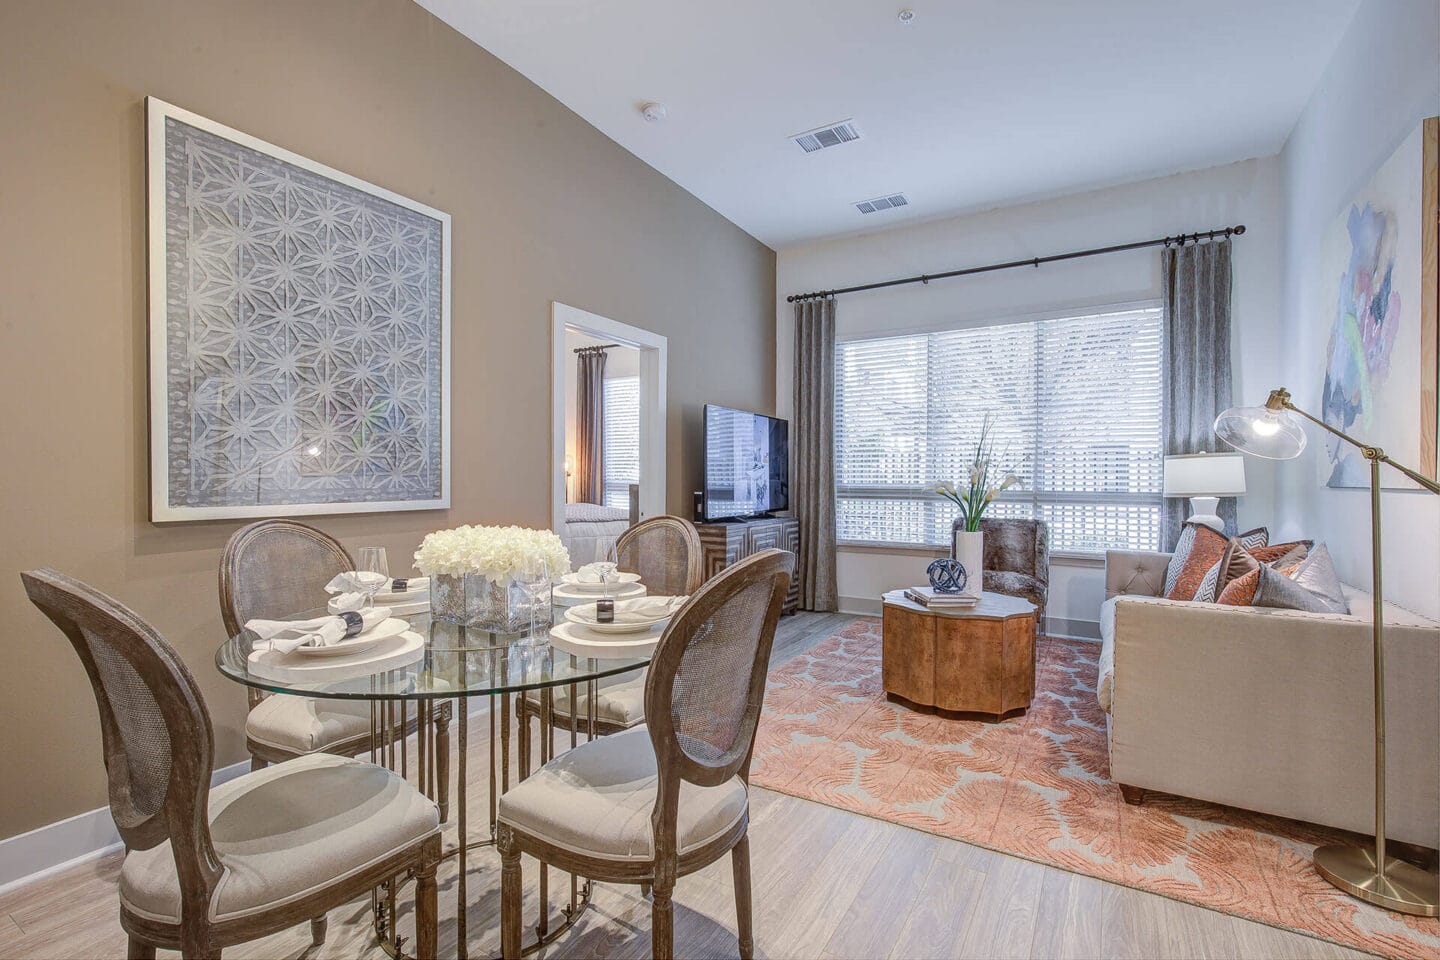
(665, 551)
(585, 812)
(206, 868)
(273, 569)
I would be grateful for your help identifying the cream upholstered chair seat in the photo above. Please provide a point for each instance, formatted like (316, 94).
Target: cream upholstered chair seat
(596, 800)
(619, 703)
(301, 725)
(285, 831)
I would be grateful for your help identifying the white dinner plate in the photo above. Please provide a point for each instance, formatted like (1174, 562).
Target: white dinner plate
(576, 638)
(621, 579)
(416, 603)
(377, 634)
(585, 613)
(567, 597)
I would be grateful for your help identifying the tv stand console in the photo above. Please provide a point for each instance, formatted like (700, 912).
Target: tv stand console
(725, 543)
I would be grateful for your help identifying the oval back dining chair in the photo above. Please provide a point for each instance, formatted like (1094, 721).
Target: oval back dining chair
(273, 569)
(666, 552)
(207, 868)
(689, 768)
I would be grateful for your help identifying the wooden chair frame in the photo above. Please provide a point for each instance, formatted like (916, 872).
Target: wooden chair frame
(183, 815)
(525, 708)
(234, 620)
(673, 765)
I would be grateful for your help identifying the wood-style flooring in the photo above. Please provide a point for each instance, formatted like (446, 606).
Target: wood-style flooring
(827, 884)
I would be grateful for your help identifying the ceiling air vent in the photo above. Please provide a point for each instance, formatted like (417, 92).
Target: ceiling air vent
(831, 136)
(882, 203)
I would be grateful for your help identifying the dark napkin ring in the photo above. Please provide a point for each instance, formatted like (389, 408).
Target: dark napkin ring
(354, 623)
(399, 585)
(604, 611)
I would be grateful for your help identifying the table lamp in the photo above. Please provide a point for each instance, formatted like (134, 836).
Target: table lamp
(1273, 432)
(1205, 478)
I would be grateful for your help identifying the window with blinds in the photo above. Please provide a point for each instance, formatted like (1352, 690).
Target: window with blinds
(621, 438)
(1075, 409)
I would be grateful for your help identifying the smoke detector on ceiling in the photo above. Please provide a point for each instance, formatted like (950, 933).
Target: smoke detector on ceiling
(888, 202)
(653, 112)
(906, 16)
(829, 136)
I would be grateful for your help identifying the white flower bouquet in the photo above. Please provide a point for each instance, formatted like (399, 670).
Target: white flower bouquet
(486, 576)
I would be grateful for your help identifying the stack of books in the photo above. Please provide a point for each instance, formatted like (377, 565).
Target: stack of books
(930, 598)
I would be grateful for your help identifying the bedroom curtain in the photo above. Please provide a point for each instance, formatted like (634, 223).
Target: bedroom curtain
(1197, 374)
(590, 425)
(814, 452)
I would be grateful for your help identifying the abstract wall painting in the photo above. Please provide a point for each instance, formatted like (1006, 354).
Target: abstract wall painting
(1379, 261)
(299, 333)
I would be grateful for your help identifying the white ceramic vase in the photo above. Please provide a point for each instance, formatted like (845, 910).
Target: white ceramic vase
(969, 548)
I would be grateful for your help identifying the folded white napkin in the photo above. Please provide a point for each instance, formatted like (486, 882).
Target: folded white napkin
(646, 609)
(359, 581)
(592, 572)
(287, 635)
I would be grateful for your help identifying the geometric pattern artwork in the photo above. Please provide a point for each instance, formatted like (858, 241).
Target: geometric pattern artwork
(1038, 787)
(305, 329)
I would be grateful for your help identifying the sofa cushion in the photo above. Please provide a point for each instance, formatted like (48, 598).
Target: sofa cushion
(1238, 560)
(1202, 548)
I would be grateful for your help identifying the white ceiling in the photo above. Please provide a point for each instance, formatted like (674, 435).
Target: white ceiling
(975, 104)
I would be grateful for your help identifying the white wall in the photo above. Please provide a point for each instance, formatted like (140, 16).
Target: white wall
(1245, 193)
(619, 362)
(1384, 78)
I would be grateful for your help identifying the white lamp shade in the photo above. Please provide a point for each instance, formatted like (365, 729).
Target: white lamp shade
(1205, 475)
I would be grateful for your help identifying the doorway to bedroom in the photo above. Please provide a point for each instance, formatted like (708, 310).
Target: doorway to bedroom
(608, 428)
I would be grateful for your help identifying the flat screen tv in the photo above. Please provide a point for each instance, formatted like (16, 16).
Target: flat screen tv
(747, 463)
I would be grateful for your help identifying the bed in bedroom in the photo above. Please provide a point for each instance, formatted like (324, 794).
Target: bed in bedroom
(588, 525)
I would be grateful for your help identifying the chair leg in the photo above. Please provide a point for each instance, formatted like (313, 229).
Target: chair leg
(197, 946)
(257, 764)
(136, 949)
(740, 862)
(442, 761)
(426, 924)
(510, 921)
(662, 924)
(318, 927)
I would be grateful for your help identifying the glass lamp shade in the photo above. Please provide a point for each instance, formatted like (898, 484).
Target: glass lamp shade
(1261, 432)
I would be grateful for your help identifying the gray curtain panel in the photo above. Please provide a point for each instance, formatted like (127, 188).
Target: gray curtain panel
(590, 426)
(814, 452)
(1197, 375)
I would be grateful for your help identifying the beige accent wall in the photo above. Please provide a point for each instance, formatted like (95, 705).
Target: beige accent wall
(545, 208)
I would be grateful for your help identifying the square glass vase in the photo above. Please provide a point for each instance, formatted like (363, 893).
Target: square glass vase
(485, 604)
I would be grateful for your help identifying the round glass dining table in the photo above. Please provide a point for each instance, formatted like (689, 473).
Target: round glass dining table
(459, 663)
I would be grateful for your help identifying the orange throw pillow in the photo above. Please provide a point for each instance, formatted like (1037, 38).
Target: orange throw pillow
(1240, 592)
(1205, 551)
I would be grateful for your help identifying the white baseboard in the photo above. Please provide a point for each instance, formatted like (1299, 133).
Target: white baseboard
(47, 850)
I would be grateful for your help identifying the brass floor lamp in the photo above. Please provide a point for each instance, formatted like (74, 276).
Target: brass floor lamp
(1272, 432)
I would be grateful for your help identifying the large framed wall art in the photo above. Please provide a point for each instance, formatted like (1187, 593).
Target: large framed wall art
(299, 333)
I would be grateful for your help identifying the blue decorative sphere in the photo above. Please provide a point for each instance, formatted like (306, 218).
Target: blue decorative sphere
(947, 575)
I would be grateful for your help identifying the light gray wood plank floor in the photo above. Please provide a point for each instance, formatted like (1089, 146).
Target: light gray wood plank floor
(827, 884)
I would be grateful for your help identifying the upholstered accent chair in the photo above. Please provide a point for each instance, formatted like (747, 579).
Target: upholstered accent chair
(660, 801)
(1017, 561)
(666, 552)
(273, 569)
(272, 848)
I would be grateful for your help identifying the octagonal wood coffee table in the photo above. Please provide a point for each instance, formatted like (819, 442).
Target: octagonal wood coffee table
(975, 661)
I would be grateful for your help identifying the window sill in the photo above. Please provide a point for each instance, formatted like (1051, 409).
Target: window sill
(1062, 558)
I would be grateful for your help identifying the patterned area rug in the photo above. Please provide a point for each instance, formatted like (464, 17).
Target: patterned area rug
(1038, 787)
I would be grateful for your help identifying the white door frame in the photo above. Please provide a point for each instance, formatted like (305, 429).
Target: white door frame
(653, 348)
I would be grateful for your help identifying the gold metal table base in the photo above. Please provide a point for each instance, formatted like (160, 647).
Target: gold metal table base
(389, 717)
(1403, 887)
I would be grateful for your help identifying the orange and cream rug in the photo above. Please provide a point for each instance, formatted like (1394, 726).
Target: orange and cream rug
(1038, 787)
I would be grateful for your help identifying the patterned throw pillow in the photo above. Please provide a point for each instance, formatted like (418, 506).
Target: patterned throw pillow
(1299, 580)
(1206, 547)
(1240, 592)
(1243, 554)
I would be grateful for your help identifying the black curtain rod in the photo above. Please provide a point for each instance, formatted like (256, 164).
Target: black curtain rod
(1181, 240)
(596, 349)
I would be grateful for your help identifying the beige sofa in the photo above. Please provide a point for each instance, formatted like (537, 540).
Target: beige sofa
(1268, 710)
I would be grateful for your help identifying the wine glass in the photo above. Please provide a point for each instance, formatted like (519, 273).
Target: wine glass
(605, 563)
(372, 560)
(535, 584)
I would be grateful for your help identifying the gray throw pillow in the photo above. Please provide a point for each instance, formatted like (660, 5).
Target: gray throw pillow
(1316, 573)
(1312, 586)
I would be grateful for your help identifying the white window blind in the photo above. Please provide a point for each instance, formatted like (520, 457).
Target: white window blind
(1075, 409)
(621, 439)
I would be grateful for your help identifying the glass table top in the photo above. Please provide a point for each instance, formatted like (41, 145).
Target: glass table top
(457, 662)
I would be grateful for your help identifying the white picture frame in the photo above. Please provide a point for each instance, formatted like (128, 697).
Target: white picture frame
(351, 421)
